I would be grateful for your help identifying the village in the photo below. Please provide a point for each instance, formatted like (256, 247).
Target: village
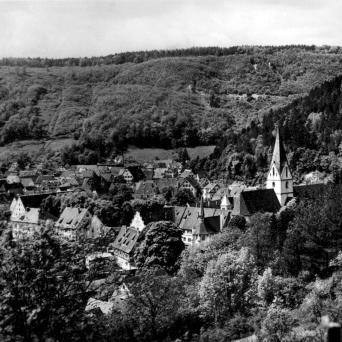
(209, 207)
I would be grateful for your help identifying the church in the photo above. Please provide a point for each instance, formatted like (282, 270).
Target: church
(279, 187)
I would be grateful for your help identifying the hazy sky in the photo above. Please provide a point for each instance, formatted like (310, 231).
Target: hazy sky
(64, 28)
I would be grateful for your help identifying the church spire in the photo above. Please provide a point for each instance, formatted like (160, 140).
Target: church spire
(279, 155)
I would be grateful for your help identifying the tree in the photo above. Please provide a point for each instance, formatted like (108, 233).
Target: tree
(260, 238)
(277, 324)
(153, 304)
(23, 160)
(183, 197)
(160, 246)
(52, 204)
(238, 221)
(43, 288)
(229, 285)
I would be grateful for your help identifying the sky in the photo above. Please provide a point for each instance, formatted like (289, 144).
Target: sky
(80, 28)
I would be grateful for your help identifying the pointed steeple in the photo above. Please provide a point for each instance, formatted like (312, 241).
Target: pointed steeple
(279, 154)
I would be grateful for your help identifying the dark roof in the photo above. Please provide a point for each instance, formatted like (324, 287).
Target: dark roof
(34, 201)
(309, 191)
(136, 173)
(279, 154)
(206, 226)
(251, 202)
(126, 239)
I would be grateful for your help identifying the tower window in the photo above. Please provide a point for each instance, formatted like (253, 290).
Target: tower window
(273, 171)
(287, 185)
(273, 184)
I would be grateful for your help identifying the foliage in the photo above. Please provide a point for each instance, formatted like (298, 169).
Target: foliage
(153, 304)
(229, 285)
(183, 197)
(160, 246)
(43, 288)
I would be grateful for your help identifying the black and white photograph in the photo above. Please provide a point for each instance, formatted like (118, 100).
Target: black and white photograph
(170, 171)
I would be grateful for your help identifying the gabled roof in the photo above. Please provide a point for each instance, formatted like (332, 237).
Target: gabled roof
(71, 217)
(187, 217)
(126, 239)
(220, 193)
(27, 182)
(186, 173)
(279, 154)
(136, 172)
(145, 188)
(251, 202)
(207, 226)
(193, 182)
(167, 182)
(34, 215)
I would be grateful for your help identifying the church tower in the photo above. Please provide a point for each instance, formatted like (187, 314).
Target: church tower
(279, 177)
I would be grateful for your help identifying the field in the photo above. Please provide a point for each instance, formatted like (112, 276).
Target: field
(148, 154)
(36, 148)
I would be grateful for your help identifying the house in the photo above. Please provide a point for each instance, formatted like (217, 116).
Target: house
(187, 174)
(44, 180)
(138, 222)
(20, 204)
(29, 222)
(74, 223)
(28, 184)
(200, 224)
(32, 174)
(11, 189)
(190, 184)
(145, 190)
(209, 190)
(123, 247)
(13, 179)
(97, 228)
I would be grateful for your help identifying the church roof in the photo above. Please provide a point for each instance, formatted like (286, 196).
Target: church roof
(251, 202)
(279, 154)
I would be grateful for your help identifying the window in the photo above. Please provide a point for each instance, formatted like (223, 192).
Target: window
(273, 184)
(286, 171)
(273, 170)
(287, 185)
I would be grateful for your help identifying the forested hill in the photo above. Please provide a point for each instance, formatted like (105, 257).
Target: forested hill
(311, 126)
(165, 102)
